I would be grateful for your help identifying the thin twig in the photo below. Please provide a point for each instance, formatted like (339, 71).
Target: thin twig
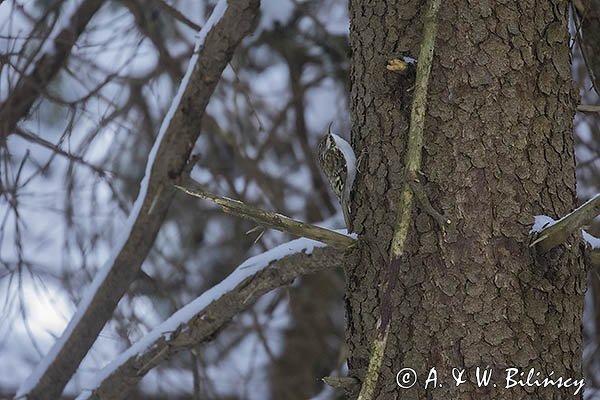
(30, 85)
(421, 196)
(33, 138)
(178, 15)
(345, 383)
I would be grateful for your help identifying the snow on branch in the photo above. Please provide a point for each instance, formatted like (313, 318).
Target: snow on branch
(273, 220)
(593, 249)
(198, 321)
(547, 233)
(228, 24)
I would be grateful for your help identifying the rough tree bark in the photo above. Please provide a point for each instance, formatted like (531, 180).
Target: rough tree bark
(498, 149)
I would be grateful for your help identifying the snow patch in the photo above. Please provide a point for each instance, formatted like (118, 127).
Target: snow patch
(593, 241)
(540, 222)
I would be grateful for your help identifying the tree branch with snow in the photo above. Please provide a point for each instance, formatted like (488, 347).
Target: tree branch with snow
(198, 321)
(229, 23)
(547, 233)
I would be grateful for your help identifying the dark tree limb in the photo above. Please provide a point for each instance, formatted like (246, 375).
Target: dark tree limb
(166, 164)
(177, 15)
(586, 17)
(142, 14)
(18, 104)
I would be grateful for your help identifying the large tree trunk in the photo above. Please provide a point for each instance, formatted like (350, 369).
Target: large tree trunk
(498, 150)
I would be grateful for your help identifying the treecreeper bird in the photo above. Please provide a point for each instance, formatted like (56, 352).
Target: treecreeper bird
(338, 162)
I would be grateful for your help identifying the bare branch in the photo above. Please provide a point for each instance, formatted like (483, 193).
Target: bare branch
(166, 162)
(239, 291)
(33, 138)
(275, 220)
(588, 108)
(149, 28)
(176, 14)
(29, 87)
(586, 27)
